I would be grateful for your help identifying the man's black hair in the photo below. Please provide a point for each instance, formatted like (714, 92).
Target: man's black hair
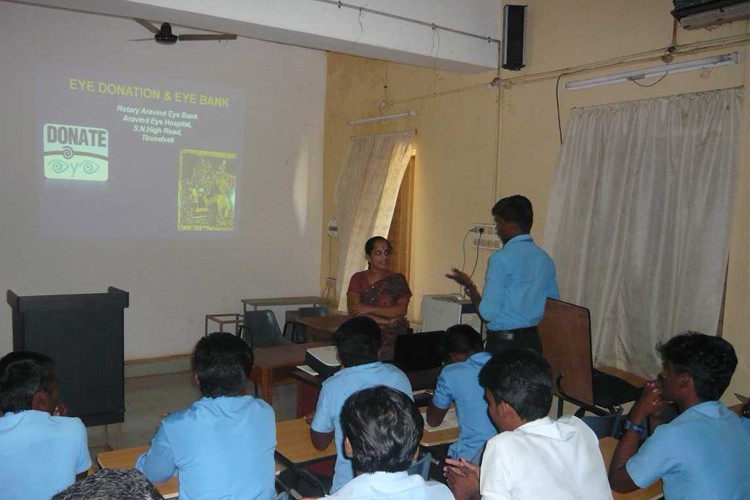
(384, 427)
(23, 374)
(223, 363)
(522, 378)
(709, 360)
(358, 341)
(111, 484)
(516, 209)
(461, 339)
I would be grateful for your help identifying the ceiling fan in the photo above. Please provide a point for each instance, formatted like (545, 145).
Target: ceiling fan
(165, 36)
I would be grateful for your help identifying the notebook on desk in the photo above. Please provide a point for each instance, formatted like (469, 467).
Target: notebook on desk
(418, 351)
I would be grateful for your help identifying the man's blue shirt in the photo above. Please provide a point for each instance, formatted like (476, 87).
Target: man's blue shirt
(40, 455)
(459, 382)
(520, 276)
(703, 453)
(333, 394)
(220, 448)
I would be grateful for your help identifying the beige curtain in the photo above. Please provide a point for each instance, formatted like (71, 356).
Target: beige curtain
(639, 219)
(365, 197)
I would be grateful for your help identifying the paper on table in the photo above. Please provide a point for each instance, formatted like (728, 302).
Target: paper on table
(308, 370)
(449, 422)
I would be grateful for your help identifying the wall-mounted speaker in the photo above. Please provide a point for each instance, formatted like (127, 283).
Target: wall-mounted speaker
(514, 21)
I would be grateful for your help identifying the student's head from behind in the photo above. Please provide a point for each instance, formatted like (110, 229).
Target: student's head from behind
(382, 428)
(519, 380)
(27, 382)
(222, 363)
(513, 215)
(692, 359)
(111, 484)
(460, 342)
(358, 341)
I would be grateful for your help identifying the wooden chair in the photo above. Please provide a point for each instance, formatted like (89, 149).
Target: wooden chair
(565, 330)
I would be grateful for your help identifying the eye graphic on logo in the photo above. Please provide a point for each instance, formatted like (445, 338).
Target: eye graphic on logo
(59, 166)
(89, 167)
(68, 152)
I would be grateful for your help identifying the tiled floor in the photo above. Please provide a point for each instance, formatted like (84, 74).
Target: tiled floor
(147, 399)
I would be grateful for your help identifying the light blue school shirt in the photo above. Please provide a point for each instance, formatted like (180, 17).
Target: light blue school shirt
(40, 455)
(459, 382)
(219, 447)
(331, 400)
(392, 486)
(703, 453)
(520, 276)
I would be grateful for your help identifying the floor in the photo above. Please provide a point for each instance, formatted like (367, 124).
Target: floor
(148, 398)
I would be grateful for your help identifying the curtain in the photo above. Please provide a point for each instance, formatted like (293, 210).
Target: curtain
(639, 219)
(365, 197)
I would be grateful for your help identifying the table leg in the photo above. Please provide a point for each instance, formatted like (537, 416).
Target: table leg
(266, 379)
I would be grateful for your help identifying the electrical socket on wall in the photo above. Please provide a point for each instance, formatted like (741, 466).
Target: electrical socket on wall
(487, 238)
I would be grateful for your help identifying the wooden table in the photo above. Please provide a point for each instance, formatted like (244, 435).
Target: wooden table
(607, 446)
(273, 365)
(322, 328)
(280, 301)
(125, 459)
(293, 444)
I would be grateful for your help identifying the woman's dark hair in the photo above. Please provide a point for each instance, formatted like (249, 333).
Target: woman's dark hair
(358, 341)
(384, 427)
(523, 379)
(370, 246)
(23, 374)
(223, 363)
(709, 360)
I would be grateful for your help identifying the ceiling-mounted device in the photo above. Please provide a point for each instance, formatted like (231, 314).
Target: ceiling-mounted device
(695, 14)
(165, 36)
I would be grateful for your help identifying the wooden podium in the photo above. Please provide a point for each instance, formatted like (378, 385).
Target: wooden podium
(84, 335)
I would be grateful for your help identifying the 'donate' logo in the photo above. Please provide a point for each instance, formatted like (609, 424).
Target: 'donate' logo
(74, 152)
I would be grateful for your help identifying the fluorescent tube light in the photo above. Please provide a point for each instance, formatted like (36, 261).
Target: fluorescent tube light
(697, 64)
(372, 119)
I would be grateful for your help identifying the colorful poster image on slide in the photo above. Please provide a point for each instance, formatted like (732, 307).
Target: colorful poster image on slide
(75, 152)
(206, 190)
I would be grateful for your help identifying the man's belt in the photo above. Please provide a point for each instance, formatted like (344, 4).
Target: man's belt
(511, 334)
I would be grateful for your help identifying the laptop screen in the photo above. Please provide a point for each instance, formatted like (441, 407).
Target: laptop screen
(418, 351)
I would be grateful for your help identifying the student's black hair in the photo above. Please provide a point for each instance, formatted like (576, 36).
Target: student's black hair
(522, 378)
(223, 363)
(709, 360)
(384, 427)
(370, 246)
(461, 339)
(23, 374)
(516, 209)
(111, 484)
(358, 341)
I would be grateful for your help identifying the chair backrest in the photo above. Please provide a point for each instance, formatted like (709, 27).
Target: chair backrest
(565, 331)
(305, 312)
(261, 329)
(418, 351)
(421, 466)
(604, 426)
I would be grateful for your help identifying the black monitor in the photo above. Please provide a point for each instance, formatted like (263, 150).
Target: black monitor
(418, 351)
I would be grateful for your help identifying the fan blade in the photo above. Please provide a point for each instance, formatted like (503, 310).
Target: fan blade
(147, 25)
(219, 36)
(149, 39)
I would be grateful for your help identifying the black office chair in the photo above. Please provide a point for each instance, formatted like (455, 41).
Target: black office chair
(260, 329)
(296, 331)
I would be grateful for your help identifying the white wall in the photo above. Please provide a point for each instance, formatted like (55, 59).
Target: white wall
(173, 283)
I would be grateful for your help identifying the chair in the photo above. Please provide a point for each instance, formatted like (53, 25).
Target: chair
(299, 482)
(260, 329)
(605, 425)
(565, 330)
(296, 331)
(421, 466)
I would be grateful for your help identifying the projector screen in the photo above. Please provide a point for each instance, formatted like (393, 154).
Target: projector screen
(127, 155)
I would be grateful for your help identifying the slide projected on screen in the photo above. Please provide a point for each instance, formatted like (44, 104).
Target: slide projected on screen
(125, 155)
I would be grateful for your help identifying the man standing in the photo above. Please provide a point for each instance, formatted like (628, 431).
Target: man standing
(519, 278)
(705, 451)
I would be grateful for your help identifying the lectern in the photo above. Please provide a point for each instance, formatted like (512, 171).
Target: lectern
(84, 335)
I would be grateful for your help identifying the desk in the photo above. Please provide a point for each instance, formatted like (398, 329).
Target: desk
(442, 434)
(322, 328)
(607, 447)
(280, 301)
(125, 459)
(224, 319)
(273, 365)
(293, 445)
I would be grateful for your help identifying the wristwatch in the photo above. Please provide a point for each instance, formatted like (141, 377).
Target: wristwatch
(640, 429)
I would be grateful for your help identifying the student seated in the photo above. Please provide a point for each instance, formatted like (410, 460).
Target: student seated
(41, 450)
(222, 445)
(111, 484)
(534, 456)
(382, 428)
(705, 451)
(357, 343)
(459, 383)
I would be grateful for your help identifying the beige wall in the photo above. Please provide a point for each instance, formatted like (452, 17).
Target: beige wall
(460, 172)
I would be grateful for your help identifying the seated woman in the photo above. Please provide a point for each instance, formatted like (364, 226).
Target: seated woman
(380, 294)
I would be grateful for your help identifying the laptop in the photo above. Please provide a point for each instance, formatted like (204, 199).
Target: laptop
(418, 351)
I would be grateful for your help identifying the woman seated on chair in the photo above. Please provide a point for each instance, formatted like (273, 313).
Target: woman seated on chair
(380, 294)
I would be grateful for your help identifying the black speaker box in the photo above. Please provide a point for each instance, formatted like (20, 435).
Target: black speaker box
(514, 20)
